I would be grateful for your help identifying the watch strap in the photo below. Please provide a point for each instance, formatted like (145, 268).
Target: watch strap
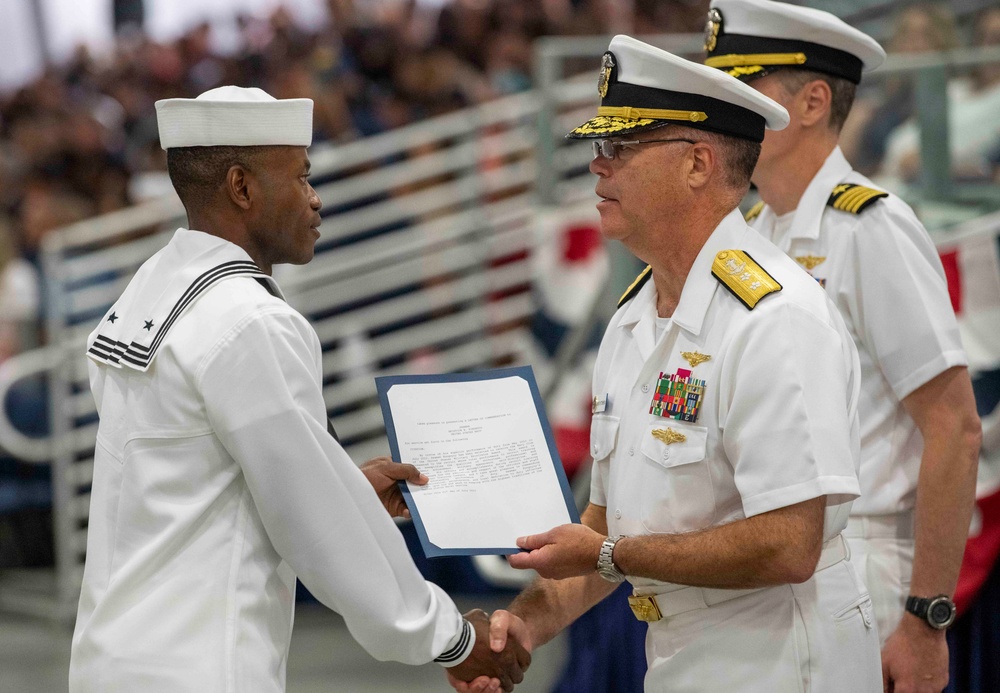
(605, 560)
(918, 606)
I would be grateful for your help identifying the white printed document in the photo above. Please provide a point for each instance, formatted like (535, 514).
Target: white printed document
(485, 444)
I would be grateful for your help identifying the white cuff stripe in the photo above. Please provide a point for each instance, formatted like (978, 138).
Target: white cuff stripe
(458, 653)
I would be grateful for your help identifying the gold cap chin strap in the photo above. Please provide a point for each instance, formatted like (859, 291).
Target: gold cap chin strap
(633, 113)
(736, 60)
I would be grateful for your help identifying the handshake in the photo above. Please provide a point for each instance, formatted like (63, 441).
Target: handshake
(502, 650)
(500, 657)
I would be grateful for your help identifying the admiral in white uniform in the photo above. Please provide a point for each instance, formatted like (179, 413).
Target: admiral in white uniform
(866, 248)
(216, 481)
(724, 431)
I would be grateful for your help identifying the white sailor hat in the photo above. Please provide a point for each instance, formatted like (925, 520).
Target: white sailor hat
(234, 116)
(751, 38)
(643, 87)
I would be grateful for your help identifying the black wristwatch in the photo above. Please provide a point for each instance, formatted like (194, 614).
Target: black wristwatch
(938, 612)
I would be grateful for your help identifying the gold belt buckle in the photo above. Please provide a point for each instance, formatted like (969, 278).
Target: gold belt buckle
(645, 608)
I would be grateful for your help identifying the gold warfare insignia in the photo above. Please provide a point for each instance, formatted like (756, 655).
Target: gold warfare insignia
(754, 212)
(848, 197)
(668, 435)
(694, 357)
(604, 79)
(810, 261)
(744, 278)
(712, 28)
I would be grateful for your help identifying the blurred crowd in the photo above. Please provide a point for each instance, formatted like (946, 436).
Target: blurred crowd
(882, 138)
(82, 139)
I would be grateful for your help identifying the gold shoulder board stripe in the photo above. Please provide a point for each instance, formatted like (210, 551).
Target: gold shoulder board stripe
(848, 197)
(744, 278)
(633, 289)
(754, 212)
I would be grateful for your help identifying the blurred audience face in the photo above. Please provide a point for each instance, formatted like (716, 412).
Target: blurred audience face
(987, 33)
(923, 28)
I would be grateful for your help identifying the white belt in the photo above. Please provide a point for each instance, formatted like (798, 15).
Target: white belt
(652, 604)
(897, 526)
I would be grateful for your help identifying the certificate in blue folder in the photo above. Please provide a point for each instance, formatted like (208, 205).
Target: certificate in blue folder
(485, 443)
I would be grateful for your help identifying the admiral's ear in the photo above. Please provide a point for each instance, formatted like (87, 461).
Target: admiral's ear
(702, 162)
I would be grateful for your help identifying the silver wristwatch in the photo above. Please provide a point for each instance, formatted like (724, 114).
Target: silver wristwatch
(605, 563)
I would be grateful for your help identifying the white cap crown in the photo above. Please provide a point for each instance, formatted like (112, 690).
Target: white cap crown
(234, 116)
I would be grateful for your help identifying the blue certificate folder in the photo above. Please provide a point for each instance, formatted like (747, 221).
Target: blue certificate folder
(383, 384)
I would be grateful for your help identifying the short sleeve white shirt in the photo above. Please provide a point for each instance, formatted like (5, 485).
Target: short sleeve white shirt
(883, 273)
(775, 423)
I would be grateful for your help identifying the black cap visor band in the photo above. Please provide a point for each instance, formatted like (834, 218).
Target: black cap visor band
(723, 117)
(818, 58)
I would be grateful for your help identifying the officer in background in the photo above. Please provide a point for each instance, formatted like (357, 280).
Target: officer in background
(919, 430)
(724, 426)
(216, 481)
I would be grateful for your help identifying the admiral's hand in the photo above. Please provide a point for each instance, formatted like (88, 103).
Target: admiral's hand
(492, 669)
(562, 552)
(382, 473)
(504, 626)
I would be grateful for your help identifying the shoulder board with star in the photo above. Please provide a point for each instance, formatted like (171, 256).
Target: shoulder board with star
(848, 197)
(743, 277)
(753, 212)
(633, 288)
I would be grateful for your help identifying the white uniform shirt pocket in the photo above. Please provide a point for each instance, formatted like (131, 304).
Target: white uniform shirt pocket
(603, 437)
(677, 492)
(672, 446)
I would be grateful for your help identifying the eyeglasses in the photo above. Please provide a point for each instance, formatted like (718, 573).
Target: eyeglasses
(608, 148)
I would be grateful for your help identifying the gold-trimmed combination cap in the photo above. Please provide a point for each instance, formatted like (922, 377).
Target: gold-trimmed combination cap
(642, 87)
(234, 116)
(748, 39)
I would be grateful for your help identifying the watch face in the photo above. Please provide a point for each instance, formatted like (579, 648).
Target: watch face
(611, 575)
(941, 613)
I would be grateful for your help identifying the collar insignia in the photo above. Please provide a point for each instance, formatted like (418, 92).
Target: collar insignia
(694, 357)
(668, 436)
(810, 261)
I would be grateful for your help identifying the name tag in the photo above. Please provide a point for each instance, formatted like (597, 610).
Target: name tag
(599, 404)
